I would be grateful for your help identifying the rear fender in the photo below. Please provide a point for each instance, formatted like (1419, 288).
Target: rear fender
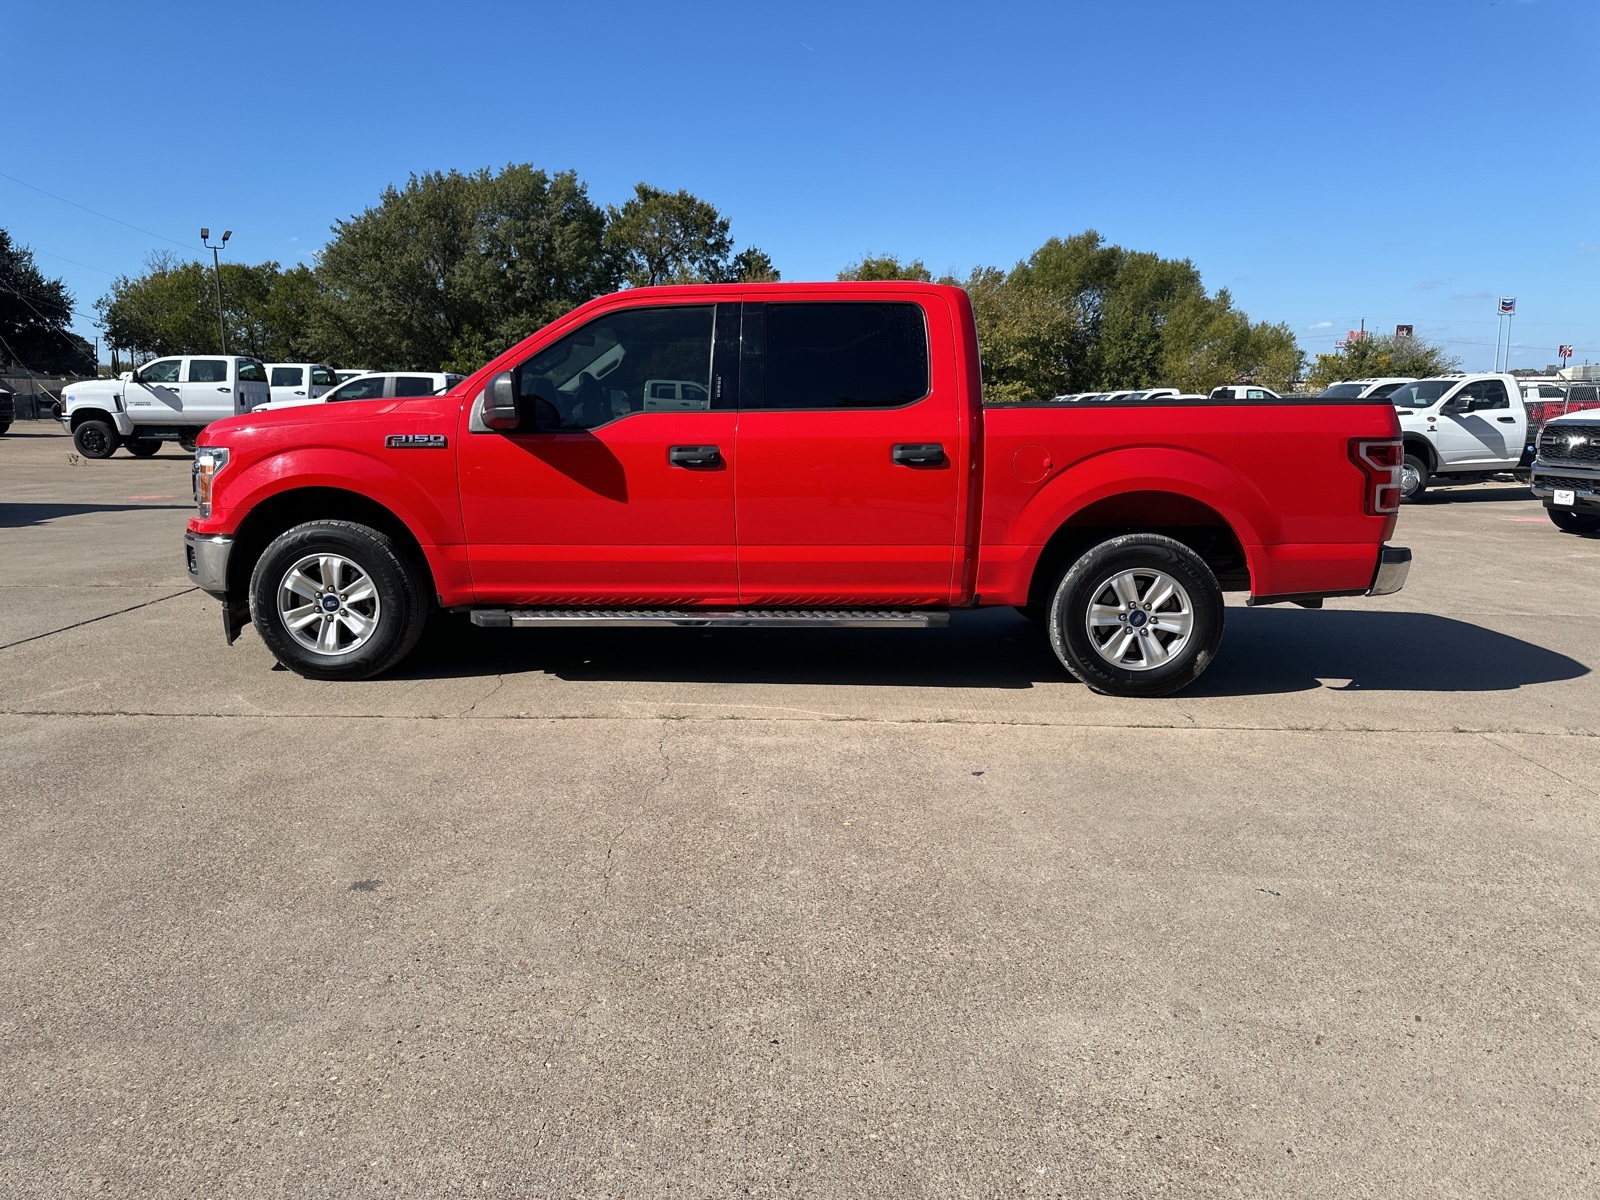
(1165, 469)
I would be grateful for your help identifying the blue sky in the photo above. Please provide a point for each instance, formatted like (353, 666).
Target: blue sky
(1403, 161)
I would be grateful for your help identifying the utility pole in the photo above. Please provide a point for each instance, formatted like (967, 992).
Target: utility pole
(216, 266)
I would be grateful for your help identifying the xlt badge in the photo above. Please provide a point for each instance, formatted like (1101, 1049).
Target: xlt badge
(416, 441)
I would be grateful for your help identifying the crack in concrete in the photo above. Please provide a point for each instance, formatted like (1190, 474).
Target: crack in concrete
(500, 682)
(843, 719)
(101, 617)
(579, 936)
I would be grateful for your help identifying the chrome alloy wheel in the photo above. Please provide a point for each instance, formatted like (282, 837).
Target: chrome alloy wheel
(328, 604)
(1410, 477)
(1139, 619)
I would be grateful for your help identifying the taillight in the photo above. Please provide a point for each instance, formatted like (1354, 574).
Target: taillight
(1380, 461)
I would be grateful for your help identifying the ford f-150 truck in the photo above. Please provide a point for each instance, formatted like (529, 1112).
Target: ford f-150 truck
(827, 461)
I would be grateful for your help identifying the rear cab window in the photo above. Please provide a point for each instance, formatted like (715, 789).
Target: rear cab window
(840, 355)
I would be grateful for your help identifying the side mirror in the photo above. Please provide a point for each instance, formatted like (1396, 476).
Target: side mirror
(498, 404)
(126, 376)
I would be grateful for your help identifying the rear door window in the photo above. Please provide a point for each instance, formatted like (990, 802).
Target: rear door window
(414, 385)
(841, 355)
(208, 370)
(288, 376)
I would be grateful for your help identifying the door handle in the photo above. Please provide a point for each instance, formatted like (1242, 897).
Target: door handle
(223, 389)
(919, 454)
(1506, 420)
(699, 458)
(297, 393)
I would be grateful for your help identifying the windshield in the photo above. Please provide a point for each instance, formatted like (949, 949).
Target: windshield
(1343, 391)
(1421, 394)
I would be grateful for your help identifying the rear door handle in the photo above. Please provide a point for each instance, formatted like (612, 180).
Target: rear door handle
(223, 389)
(1506, 420)
(919, 454)
(697, 458)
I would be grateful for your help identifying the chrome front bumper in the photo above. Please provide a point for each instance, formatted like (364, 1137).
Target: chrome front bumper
(207, 555)
(1394, 564)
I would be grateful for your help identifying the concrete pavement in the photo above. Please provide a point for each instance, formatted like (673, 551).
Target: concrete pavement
(803, 913)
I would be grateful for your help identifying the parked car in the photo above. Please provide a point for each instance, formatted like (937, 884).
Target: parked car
(8, 409)
(1367, 389)
(1459, 429)
(300, 381)
(846, 441)
(378, 385)
(344, 374)
(1241, 391)
(1566, 471)
(166, 400)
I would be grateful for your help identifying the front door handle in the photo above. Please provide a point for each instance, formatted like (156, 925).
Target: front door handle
(223, 389)
(1506, 420)
(696, 458)
(919, 454)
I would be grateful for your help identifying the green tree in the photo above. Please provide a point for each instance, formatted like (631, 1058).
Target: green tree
(754, 266)
(877, 268)
(34, 314)
(1378, 355)
(451, 269)
(172, 309)
(1029, 337)
(663, 237)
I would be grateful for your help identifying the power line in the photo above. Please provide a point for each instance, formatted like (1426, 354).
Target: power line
(73, 261)
(96, 212)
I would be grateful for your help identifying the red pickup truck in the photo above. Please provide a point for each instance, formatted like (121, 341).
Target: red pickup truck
(790, 455)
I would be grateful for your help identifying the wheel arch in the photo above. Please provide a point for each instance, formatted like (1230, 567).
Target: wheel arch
(1420, 447)
(1171, 514)
(79, 415)
(279, 513)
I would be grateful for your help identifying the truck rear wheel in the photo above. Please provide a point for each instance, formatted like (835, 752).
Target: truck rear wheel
(189, 439)
(96, 439)
(1139, 615)
(1571, 522)
(1413, 478)
(142, 447)
(337, 600)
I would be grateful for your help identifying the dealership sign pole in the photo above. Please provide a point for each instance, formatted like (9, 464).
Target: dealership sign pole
(1508, 309)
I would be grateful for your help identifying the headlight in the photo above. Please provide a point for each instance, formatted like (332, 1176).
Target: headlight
(208, 460)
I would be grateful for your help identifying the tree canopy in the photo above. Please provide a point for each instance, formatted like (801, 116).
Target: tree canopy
(1378, 355)
(35, 311)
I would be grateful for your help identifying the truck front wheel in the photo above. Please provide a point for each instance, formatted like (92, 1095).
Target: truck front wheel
(1571, 522)
(1139, 615)
(96, 439)
(337, 600)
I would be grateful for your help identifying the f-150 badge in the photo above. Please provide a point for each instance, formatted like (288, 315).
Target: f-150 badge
(416, 441)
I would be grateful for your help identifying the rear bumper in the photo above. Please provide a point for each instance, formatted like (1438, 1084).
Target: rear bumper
(1394, 564)
(1388, 577)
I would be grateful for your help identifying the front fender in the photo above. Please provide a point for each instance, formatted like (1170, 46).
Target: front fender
(1199, 477)
(424, 498)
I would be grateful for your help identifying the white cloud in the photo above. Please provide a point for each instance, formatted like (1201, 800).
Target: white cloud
(1321, 325)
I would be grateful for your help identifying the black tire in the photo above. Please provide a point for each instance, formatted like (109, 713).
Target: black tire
(1413, 463)
(401, 591)
(142, 447)
(96, 439)
(1092, 573)
(189, 440)
(1568, 521)
(5, 428)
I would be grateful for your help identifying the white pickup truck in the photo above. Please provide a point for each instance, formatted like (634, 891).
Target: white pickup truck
(166, 400)
(300, 381)
(1459, 429)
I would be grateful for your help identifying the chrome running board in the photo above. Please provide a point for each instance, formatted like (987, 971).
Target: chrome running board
(693, 618)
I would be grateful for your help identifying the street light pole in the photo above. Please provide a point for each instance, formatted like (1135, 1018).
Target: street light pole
(216, 267)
